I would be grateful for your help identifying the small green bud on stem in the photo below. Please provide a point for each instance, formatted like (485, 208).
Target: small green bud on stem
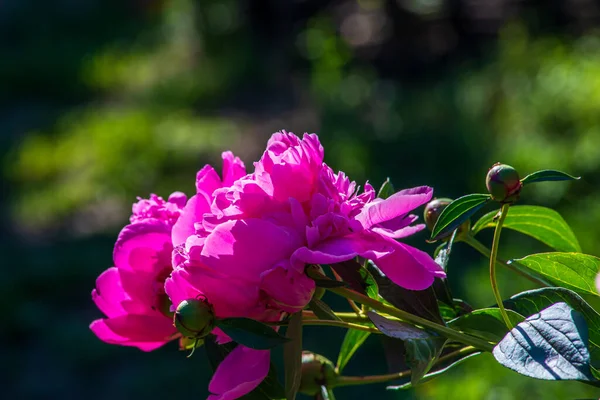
(432, 212)
(317, 371)
(503, 183)
(194, 318)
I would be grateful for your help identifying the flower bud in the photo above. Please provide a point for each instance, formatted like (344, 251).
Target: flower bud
(194, 318)
(316, 372)
(503, 183)
(432, 212)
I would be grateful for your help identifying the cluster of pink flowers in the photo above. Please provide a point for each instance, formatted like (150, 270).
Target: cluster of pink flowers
(242, 242)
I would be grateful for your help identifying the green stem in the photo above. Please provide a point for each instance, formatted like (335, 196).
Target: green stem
(362, 380)
(493, 256)
(405, 316)
(344, 316)
(483, 250)
(327, 322)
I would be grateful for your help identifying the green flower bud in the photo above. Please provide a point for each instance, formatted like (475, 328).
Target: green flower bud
(194, 318)
(316, 372)
(432, 212)
(503, 183)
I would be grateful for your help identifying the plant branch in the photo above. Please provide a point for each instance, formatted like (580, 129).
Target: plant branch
(327, 322)
(493, 256)
(483, 250)
(408, 317)
(362, 380)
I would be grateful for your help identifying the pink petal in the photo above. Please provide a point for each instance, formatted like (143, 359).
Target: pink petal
(144, 246)
(207, 181)
(400, 233)
(247, 248)
(109, 293)
(342, 249)
(409, 267)
(144, 332)
(195, 208)
(229, 296)
(233, 168)
(289, 290)
(239, 373)
(394, 206)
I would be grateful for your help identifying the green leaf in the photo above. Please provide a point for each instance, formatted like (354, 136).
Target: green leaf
(292, 356)
(422, 303)
(352, 341)
(550, 345)
(422, 348)
(486, 323)
(533, 301)
(546, 175)
(251, 333)
(574, 271)
(386, 190)
(449, 358)
(458, 212)
(541, 223)
(371, 287)
(351, 273)
(322, 310)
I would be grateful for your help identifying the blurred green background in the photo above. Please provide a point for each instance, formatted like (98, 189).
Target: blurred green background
(103, 101)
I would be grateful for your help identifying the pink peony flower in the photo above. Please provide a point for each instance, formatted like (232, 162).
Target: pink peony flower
(243, 243)
(598, 282)
(131, 294)
(344, 224)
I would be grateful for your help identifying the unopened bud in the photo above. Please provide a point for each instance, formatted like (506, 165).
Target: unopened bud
(503, 183)
(317, 371)
(194, 318)
(432, 212)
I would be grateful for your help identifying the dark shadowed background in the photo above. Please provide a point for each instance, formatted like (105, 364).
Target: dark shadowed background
(105, 100)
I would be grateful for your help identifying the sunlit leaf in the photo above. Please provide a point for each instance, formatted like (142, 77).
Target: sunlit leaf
(458, 212)
(550, 345)
(541, 223)
(351, 343)
(533, 301)
(546, 175)
(574, 271)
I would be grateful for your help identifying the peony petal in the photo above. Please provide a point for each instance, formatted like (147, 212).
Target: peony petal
(230, 297)
(400, 233)
(146, 333)
(144, 246)
(409, 267)
(207, 181)
(247, 248)
(109, 293)
(342, 249)
(239, 373)
(193, 211)
(396, 205)
(289, 290)
(233, 168)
